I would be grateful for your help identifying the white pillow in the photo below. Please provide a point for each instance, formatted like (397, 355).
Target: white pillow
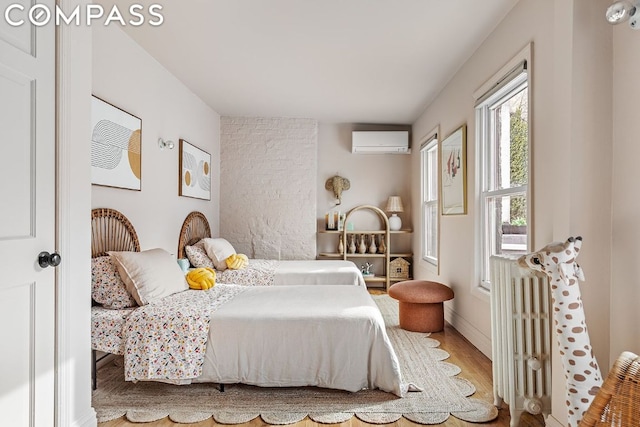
(218, 250)
(149, 275)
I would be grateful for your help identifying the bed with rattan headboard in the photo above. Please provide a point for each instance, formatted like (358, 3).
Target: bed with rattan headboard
(194, 228)
(261, 314)
(269, 272)
(111, 230)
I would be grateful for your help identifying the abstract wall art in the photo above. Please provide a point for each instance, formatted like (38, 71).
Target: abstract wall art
(195, 172)
(116, 146)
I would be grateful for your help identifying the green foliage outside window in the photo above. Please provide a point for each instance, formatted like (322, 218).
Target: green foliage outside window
(519, 161)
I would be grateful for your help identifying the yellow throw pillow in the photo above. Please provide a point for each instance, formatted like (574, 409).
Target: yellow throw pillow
(201, 278)
(237, 261)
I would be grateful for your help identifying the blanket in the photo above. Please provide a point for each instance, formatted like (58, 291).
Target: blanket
(263, 272)
(258, 272)
(167, 340)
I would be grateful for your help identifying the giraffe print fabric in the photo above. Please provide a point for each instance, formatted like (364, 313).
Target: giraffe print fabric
(558, 261)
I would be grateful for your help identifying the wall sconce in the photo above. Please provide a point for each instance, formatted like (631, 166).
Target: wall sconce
(394, 205)
(165, 144)
(621, 11)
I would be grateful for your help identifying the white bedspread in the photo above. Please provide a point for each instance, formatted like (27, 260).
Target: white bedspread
(318, 272)
(326, 336)
(264, 272)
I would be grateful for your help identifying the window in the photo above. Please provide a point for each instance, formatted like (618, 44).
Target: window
(429, 172)
(503, 137)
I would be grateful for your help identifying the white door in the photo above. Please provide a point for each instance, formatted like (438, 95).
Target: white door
(27, 219)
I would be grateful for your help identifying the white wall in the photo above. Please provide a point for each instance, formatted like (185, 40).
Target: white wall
(73, 322)
(128, 77)
(268, 186)
(454, 106)
(373, 178)
(571, 156)
(625, 289)
(273, 173)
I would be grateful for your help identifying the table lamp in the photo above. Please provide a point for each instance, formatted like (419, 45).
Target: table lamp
(394, 205)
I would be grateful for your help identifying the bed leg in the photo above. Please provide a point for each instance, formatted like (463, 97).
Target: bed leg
(94, 380)
(221, 388)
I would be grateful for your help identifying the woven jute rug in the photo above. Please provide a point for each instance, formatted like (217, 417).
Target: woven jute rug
(422, 362)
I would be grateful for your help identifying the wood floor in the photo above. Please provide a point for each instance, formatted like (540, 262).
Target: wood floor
(475, 366)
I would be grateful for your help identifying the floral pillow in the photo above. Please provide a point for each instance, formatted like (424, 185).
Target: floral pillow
(198, 256)
(107, 288)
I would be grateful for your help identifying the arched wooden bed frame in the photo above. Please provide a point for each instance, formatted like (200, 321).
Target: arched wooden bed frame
(111, 230)
(194, 228)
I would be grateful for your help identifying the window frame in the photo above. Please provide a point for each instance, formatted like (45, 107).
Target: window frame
(430, 145)
(508, 84)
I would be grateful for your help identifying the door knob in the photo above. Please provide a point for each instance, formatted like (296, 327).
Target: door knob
(45, 259)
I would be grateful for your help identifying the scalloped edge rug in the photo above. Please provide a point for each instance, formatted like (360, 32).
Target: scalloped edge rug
(422, 362)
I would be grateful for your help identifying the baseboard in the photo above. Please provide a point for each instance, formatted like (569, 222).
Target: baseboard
(88, 420)
(467, 330)
(550, 421)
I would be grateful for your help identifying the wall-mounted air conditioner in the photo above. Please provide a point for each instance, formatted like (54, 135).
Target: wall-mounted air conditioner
(380, 142)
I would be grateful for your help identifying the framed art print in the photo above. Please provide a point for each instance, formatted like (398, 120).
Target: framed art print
(116, 146)
(454, 173)
(194, 166)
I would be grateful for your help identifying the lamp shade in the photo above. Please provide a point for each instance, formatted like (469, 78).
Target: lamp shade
(394, 204)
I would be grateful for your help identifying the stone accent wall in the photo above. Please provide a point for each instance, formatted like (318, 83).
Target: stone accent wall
(268, 188)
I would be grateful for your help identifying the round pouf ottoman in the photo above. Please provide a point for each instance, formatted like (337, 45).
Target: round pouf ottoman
(421, 304)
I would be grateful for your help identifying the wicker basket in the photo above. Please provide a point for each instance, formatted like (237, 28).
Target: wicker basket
(618, 401)
(399, 269)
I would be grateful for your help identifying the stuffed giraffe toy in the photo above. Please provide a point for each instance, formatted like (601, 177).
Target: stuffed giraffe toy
(558, 261)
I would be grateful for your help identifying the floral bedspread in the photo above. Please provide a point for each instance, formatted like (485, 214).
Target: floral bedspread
(107, 327)
(259, 272)
(166, 340)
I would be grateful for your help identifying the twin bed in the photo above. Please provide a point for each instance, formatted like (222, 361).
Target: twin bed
(329, 336)
(271, 272)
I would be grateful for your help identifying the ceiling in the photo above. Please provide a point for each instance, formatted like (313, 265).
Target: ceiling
(344, 61)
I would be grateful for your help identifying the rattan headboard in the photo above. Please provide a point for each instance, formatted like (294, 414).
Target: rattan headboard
(111, 231)
(194, 228)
